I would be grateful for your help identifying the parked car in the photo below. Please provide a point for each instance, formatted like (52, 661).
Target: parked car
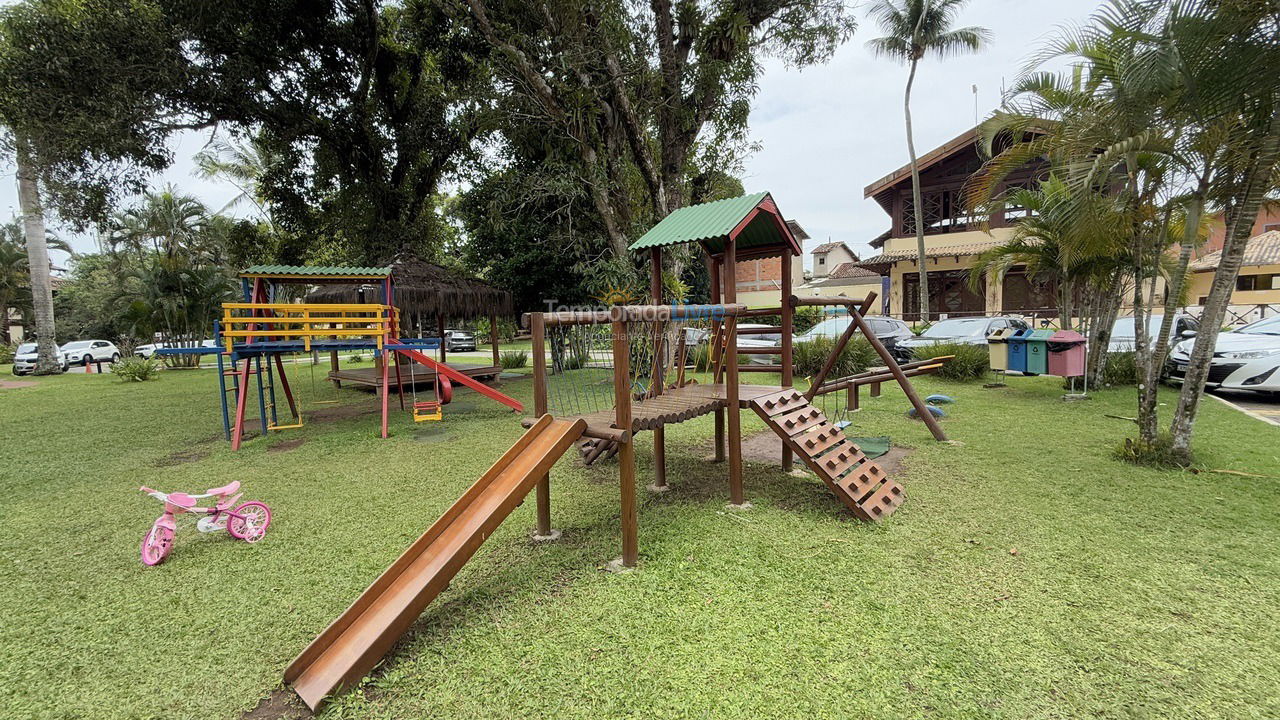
(459, 340)
(695, 336)
(1243, 359)
(24, 359)
(90, 351)
(1123, 338)
(889, 330)
(146, 351)
(963, 331)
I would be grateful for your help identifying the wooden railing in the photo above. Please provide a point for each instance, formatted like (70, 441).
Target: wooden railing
(293, 321)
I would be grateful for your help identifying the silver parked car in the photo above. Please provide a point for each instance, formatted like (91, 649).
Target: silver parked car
(963, 331)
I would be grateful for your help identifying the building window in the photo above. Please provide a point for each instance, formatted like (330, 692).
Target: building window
(822, 260)
(1270, 226)
(1258, 282)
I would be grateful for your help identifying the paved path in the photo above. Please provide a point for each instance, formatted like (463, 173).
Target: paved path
(1264, 408)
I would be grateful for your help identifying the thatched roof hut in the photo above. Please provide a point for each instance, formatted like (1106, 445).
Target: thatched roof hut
(425, 291)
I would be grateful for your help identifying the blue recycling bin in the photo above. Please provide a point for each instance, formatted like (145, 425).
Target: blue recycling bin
(1018, 350)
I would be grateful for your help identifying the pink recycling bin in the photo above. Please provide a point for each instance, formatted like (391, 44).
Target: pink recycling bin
(1066, 353)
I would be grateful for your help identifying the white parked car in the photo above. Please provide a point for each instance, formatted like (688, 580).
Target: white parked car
(887, 329)
(24, 359)
(696, 336)
(1243, 359)
(146, 351)
(1123, 338)
(90, 351)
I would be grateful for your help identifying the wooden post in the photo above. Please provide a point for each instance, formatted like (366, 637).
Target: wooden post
(333, 366)
(921, 410)
(626, 450)
(714, 355)
(659, 433)
(493, 339)
(788, 327)
(851, 396)
(729, 277)
(537, 328)
(440, 327)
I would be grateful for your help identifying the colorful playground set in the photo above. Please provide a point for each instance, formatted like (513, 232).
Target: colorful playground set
(601, 378)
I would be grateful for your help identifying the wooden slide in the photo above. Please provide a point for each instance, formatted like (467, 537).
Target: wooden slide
(349, 648)
(857, 480)
(456, 376)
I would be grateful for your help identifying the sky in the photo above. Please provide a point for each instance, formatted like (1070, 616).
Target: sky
(824, 132)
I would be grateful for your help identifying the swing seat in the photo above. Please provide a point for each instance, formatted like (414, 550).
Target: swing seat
(427, 410)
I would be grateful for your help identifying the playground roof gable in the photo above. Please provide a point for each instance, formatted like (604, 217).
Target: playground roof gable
(753, 221)
(316, 272)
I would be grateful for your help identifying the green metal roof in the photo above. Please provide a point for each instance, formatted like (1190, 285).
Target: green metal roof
(317, 271)
(710, 224)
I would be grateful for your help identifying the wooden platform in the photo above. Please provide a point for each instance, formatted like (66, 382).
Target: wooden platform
(372, 377)
(678, 405)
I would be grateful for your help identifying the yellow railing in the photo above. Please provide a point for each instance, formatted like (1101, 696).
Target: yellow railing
(289, 321)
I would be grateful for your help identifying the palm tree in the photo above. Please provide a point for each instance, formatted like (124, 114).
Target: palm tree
(37, 261)
(243, 164)
(15, 279)
(914, 28)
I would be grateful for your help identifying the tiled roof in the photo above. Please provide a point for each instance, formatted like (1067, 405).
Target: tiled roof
(798, 231)
(827, 247)
(848, 270)
(963, 249)
(1262, 249)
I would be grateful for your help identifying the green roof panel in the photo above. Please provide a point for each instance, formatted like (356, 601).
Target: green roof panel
(708, 221)
(317, 271)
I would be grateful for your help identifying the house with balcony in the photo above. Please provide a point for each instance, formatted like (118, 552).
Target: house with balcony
(953, 236)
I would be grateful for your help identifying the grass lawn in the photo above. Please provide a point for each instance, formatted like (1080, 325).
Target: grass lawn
(1027, 575)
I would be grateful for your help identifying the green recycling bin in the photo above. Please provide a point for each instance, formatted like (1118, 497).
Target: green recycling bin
(1038, 351)
(998, 348)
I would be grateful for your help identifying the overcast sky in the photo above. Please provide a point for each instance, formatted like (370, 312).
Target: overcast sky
(825, 132)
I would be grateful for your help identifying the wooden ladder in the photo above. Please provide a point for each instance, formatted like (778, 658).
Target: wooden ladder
(857, 480)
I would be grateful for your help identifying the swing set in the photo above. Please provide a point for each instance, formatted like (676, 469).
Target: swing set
(254, 336)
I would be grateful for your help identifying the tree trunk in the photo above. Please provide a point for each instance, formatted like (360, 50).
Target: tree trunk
(37, 263)
(915, 197)
(1248, 199)
(1173, 292)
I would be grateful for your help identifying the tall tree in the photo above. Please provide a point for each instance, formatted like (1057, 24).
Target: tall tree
(37, 262)
(642, 95)
(914, 29)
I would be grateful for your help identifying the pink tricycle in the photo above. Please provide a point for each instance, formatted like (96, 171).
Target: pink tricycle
(247, 522)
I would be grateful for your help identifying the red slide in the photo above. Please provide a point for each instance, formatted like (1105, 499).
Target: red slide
(456, 376)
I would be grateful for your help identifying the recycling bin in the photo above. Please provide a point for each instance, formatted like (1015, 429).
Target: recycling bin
(998, 348)
(1038, 351)
(1018, 350)
(1066, 354)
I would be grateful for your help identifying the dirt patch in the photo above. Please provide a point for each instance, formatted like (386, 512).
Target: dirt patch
(15, 384)
(180, 457)
(287, 445)
(281, 704)
(342, 412)
(891, 462)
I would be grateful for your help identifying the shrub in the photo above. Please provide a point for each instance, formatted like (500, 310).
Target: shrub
(700, 356)
(357, 359)
(971, 362)
(1158, 454)
(811, 355)
(136, 369)
(512, 359)
(574, 361)
(1120, 368)
(7, 351)
(805, 317)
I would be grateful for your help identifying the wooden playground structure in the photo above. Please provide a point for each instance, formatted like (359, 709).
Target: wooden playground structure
(254, 337)
(601, 377)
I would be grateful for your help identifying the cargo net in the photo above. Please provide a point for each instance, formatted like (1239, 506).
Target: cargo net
(580, 375)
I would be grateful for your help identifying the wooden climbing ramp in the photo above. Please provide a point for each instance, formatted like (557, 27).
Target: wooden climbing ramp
(857, 480)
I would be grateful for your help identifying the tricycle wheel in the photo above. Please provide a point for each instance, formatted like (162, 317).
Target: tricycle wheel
(251, 523)
(157, 543)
